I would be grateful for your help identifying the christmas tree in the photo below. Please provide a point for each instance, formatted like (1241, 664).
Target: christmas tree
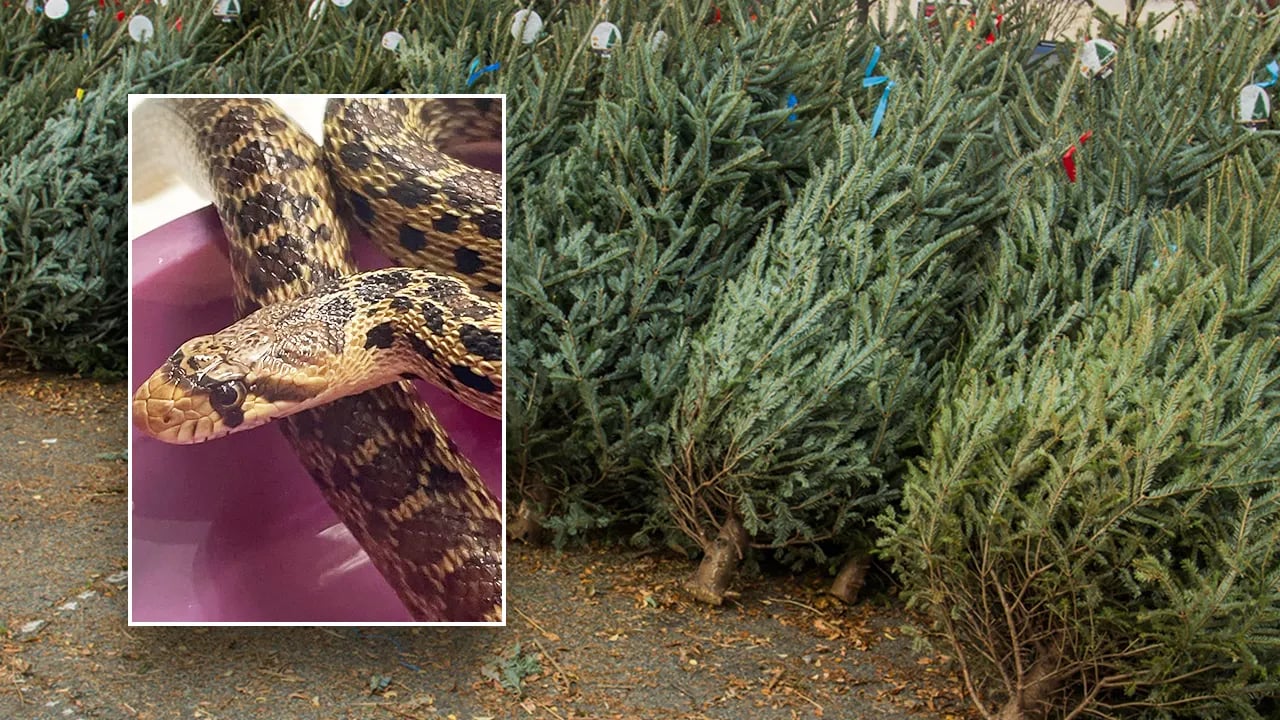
(1093, 526)
(821, 355)
(622, 239)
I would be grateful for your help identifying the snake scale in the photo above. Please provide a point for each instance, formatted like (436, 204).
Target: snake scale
(323, 347)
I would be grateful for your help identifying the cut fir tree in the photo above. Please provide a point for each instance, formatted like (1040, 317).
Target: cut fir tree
(632, 211)
(1094, 529)
(810, 381)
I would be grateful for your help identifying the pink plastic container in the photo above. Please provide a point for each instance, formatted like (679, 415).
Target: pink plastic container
(234, 531)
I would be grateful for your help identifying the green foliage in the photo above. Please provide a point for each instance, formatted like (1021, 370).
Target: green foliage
(630, 214)
(62, 187)
(1236, 231)
(1055, 254)
(818, 364)
(511, 668)
(1092, 526)
(1096, 525)
(62, 214)
(1162, 123)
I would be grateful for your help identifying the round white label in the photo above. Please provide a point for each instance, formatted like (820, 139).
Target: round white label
(1253, 109)
(604, 37)
(391, 40)
(526, 25)
(1097, 58)
(141, 29)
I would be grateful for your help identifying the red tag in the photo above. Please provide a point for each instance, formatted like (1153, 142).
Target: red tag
(1069, 157)
(177, 24)
(120, 16)
(1069, 163)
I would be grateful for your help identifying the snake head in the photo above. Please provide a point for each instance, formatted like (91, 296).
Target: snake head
(266, 366)
(197, 394)
(206, 390)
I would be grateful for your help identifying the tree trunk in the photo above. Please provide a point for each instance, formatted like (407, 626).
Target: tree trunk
(864, 11)
(852, 575)
(1036, 688)
(526, 522)
(1012, 710)
(720, 563)
(1133, 8)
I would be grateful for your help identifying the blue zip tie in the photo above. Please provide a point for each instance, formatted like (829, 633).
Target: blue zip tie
(477, 71)
(1273, 68)
(870, 80)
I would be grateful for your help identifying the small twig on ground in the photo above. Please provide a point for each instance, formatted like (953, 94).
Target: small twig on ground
(20, 691)
(773, 682)
(684, 692)
(388, 707)
(754, 642)
(534, 624)
(797, 603)
(565, 679)
(808, 699)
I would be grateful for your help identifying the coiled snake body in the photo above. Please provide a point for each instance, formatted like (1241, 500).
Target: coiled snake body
(319, 342)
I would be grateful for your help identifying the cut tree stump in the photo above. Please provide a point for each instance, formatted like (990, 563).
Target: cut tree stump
(850, 579)
(526, 524)
(720, 563)
(1033, 695)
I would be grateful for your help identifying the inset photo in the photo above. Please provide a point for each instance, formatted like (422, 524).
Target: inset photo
(316, 360)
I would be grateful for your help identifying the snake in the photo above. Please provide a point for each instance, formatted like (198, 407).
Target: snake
(325, 351)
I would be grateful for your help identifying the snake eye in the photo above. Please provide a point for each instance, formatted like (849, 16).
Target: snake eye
(227, 395)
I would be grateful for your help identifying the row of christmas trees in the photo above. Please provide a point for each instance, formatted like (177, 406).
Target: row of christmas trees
(1014, 327)
(773, 293)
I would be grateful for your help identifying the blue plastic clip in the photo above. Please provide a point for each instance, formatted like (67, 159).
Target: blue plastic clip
(477, 71)
(1273, 69)
(870, 80)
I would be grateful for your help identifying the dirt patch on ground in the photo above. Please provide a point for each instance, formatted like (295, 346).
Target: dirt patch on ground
(596, 633)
